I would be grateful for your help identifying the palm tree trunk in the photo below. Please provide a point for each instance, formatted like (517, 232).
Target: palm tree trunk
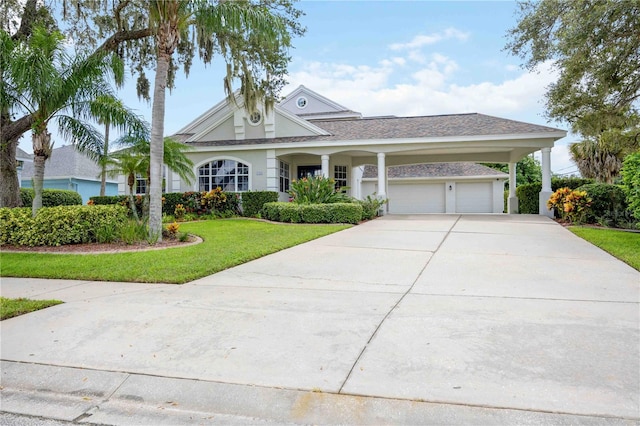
(157, 148)
(103, 176)
(9, 185)
(41, 151)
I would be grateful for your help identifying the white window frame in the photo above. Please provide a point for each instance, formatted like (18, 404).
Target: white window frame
(226, 167)
(285, 176)
(340, 176)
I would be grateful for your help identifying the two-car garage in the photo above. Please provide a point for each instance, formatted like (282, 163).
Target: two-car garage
(440, 188)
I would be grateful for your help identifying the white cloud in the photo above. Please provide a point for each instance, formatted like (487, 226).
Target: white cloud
(429, 39)
(429, 89)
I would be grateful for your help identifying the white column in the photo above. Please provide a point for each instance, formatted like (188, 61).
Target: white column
(272, 171)
(546, 182)
(382, 179)
(325, 165)
(512, 202)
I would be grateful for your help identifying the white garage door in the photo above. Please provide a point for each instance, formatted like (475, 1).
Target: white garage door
(474, 197)
(416, 198)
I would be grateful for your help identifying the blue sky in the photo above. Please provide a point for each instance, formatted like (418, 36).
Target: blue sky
(393, 58)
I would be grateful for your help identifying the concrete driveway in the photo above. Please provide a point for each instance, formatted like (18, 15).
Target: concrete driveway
(405, 319)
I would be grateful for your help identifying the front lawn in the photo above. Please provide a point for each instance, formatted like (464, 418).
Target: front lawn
(10, 308)
(226, 243)
(623, 245)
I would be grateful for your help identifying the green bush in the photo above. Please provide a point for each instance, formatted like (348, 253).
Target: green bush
(55, 226)
(316, 190)
(312, 213)
(26, 194)
(171, 200)
(109, 199)
(606, 200)
(51, 197)
(568, 182)
(529, 194)
(371, 206)
(631, 178)
(253, 201)
(528, 198)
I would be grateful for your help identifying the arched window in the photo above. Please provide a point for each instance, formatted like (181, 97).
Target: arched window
(229, 175)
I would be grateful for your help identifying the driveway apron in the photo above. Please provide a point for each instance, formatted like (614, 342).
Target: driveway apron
(481, 310)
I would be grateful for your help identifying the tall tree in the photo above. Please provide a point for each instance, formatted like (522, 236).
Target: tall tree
(594, 45)
(16, 19)
(46, 84)
(252, 55)
(528, 170)
(226, 22)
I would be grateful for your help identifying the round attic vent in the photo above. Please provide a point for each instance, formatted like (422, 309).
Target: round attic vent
(255, 118)
(301, 102)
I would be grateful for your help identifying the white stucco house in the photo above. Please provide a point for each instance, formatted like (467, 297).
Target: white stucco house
(308, 133)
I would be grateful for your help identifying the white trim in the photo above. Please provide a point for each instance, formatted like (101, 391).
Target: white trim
(311, 93)
(218, 158)
(395, 143)
(439, 178)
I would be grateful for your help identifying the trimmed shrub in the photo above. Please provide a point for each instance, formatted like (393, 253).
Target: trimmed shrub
(568, 182)
(606, 199)
(253, 201)
(171, 200)
(528, 198)
(312, 213)
(55, 226)
(345, 212)
(51, 197)
(109, 199)
(26, 194)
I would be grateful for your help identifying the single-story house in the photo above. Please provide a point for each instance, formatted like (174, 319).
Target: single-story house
(307, 133)
(67, 168)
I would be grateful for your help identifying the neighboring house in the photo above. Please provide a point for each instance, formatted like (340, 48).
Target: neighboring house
(440, 188)
(70, 169)
(307, 133)
(21, 158)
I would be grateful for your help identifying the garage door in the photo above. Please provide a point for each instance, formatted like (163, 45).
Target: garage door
(474, 197)
(416, 198)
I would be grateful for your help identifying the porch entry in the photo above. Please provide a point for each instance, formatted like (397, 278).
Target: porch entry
(304, 171)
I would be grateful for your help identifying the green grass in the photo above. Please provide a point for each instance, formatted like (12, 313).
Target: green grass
(623, 245)
(226, 243)
(10, 308)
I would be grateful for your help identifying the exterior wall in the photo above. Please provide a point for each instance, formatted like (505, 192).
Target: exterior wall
(86, 188)
(224, 131)
(287, 128)
(256, 160)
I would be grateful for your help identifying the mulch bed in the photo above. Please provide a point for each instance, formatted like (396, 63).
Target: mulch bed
(97, 248)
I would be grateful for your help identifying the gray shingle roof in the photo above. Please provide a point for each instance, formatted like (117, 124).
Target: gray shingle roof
(22, 154)
(66, 162)
(433, 170)
(455, 125)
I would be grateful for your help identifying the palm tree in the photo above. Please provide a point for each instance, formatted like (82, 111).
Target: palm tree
(601, 157)
(135, 160)
(129, 163)
(172, 20)
(48, 84)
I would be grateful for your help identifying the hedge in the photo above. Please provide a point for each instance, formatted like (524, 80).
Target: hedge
(51, 197)
(606, 200)
(192, 202)
(529, 194)
(253, 201)
(313, 213)
(55, 226)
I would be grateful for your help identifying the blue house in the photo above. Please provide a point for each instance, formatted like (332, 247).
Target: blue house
(70, 169)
